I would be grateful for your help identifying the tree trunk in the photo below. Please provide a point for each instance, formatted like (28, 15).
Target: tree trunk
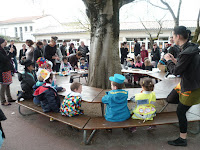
(104, 54)
(197, 31)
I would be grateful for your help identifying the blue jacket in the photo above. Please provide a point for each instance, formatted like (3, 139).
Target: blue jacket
(116, 105)
(48, 98)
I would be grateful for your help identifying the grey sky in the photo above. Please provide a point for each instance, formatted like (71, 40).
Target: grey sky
(70, 10)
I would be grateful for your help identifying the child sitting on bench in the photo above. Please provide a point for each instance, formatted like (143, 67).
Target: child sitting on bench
(28, 79)
(71, 105)
(116, 100)
(65, 67)
(46, 94)
(144, 109)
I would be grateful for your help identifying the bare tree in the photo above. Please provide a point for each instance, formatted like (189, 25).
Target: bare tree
(104, 54)
(197, 31)
(151, 38)
(169, 8)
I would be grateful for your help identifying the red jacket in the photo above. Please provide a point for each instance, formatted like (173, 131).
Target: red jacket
(144, 53)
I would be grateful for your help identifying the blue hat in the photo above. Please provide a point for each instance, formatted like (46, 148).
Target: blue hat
(118, 78)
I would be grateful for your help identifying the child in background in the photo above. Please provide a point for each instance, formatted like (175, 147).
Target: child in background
(28, 79)
(145, 108)
(148, 65)
(71, 105)
(138, 63)
(131, 63)
(116, 100)
(41, 62)
(46, 94)
(84, 65)
(49, 66)
(143, 65)
(144, 53)
(65, 67)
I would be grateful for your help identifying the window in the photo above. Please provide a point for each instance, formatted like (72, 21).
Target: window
(21, 33)
(31, 28)
(16, 34)
(26, 29)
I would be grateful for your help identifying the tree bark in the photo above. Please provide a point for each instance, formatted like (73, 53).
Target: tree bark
(104, 54)
(197, 31)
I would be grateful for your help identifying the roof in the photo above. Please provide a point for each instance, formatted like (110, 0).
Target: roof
(21, 20)
(167, 24)
(75, 27)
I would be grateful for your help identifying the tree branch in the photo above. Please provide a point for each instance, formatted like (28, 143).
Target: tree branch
(156, 5)
(169, 8)
(179, 8)
(198, 19)
(124, 2)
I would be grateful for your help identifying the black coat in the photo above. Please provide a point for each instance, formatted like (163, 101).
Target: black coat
(124, 52)
(5, 63)
(137, 49)
(84, 50)
(63, 50)
(188, 67)
(2, 118)
(156, 54)
(38, 52)
(174, 51)
(49, 52)
(14, 52)
(21, 54)
(27, 81)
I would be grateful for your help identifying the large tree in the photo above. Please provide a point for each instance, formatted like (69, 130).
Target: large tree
(195, 39)
(104, 54)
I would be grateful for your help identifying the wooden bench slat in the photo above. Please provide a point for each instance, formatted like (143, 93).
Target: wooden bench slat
(76, 121)
(160, 119)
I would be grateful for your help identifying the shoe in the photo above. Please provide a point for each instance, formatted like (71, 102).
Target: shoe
(178, 142)
(5, 104)
(11, 100)
(133, 129)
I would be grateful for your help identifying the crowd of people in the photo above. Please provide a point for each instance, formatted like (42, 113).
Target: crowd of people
(46, 58)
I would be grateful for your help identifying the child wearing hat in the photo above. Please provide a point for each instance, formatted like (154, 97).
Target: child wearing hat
(28, 79)
(46, 94)
(41, 62)
(116, 100)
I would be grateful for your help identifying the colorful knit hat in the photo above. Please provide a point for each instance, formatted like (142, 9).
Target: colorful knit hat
(44, 74)
(41, 61)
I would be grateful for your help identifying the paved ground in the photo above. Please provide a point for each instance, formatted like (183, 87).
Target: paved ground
(36, 132)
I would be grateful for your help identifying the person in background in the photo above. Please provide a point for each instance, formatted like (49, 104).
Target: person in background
(84, 50)
(65, 67)
(71, 105)
(155, 54)
(83, 65)
(5, 74)
(13, 53)
(22, 54)
(144, 53)
(58, 60)
(148, 65)
(44, 45)
(143, 65)
(138, 63)
(50, 51)
(124, 52)
(38, 52)
(173, 49)
(63, 48)
(165, 50)
(136, 48)
(30, 50)
(72, 49)
(73, 59)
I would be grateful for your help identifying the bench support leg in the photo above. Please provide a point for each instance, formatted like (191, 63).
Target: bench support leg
(19, 109)
(163, 107)
(195, 132)
(102, 109)
(85, 140)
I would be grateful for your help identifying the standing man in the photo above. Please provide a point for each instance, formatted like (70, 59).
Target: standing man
(137, 48)
(44, 46)
(13, 53)
(63, 48)
(174, 50)
(83, 49)
(124, 52)
(155, 54)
